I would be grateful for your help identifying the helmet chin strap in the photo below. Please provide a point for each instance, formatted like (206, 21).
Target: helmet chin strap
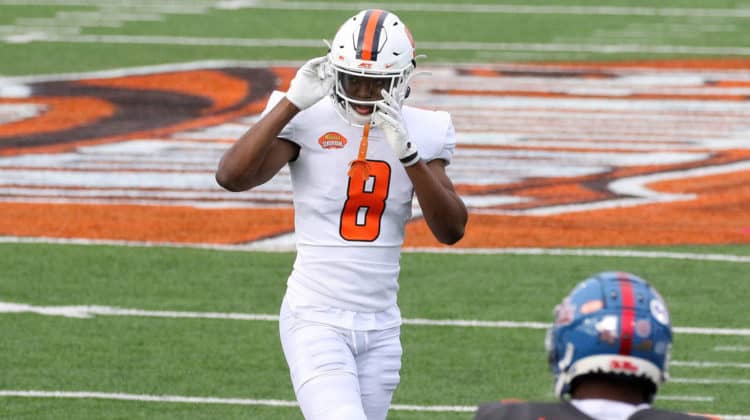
(561, 383)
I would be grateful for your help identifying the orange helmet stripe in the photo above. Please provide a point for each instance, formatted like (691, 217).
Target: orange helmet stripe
(369, 34)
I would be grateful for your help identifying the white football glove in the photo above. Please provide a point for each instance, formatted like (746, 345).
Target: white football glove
(313, 81)
(388, 117)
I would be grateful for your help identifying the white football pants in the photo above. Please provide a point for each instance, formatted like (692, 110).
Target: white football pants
(340, 374)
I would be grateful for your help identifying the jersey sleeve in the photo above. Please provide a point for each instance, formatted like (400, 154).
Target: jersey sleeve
(449, 141)
(433, 133)
(658, 414)
(519, 410)
(489, 411)
(287, 133)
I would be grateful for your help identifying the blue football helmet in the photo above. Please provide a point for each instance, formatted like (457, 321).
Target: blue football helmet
(611, 323)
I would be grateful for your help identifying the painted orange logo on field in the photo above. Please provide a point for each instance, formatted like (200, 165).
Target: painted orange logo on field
(332, 140)
(561, 155)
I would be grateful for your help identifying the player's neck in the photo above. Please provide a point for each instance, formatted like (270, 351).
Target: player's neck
(600, 389)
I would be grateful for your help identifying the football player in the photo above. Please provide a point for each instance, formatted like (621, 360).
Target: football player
(608, 351)
(357, 157)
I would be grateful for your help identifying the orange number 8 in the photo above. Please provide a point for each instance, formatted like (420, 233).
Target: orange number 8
(365, 204)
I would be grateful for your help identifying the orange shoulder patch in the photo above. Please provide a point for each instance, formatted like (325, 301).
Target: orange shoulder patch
(332, 140)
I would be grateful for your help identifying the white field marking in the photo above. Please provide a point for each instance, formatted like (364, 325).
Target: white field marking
(141, 171)
(738, 349)
(9, 90)
(488, 8)
(445, 68)
(281, 198)
(148, 398)
(709, 364)
(174, 7)
(416, 7)
(17, 112)
(147, 70)
(239, 204)
(636, 186)
(690, 398)
(289, 247)
(710, 381)
(268, 403)
(450, 46)
(501, 103)
(89, 311)
(618, 253)
(634, 191)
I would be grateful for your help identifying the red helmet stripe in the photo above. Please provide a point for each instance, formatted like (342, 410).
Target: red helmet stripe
(628, 316)
(369, 34)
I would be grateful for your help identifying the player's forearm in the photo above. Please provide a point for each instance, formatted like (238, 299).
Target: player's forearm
(442, 208)
(240, 166)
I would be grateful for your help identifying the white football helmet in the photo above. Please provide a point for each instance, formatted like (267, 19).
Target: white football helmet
(372, 50)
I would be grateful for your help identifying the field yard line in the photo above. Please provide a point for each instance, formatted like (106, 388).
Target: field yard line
(270, 403)
(709, 364)
(541, 325)
(739, 349)
(451, 46)
(710, 381)
(572, 252)
(149, 398)
(513, 9)
(206, 400)
(143, 70)
(86, 311)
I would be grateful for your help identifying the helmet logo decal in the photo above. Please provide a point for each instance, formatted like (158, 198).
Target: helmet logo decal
(332, 140)
(623, 366)
(607, 329)
(643, 328)
(565, 313)
(659, 311)
(591, 306)
(369, 34)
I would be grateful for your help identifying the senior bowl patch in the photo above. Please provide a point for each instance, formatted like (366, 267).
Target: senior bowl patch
(332, 140)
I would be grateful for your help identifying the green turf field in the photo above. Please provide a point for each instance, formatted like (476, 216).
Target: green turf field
(549, 30)
(224, 358)
(201, 324)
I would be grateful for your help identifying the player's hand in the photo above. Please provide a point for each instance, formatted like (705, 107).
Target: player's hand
(313, 81)
(388, 117)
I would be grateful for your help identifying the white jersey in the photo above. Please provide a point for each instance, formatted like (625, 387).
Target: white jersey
(601, 409)
(349, 236)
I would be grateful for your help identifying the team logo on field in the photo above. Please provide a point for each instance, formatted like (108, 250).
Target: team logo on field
(547, 155)
(129, 106)
(332, 140)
